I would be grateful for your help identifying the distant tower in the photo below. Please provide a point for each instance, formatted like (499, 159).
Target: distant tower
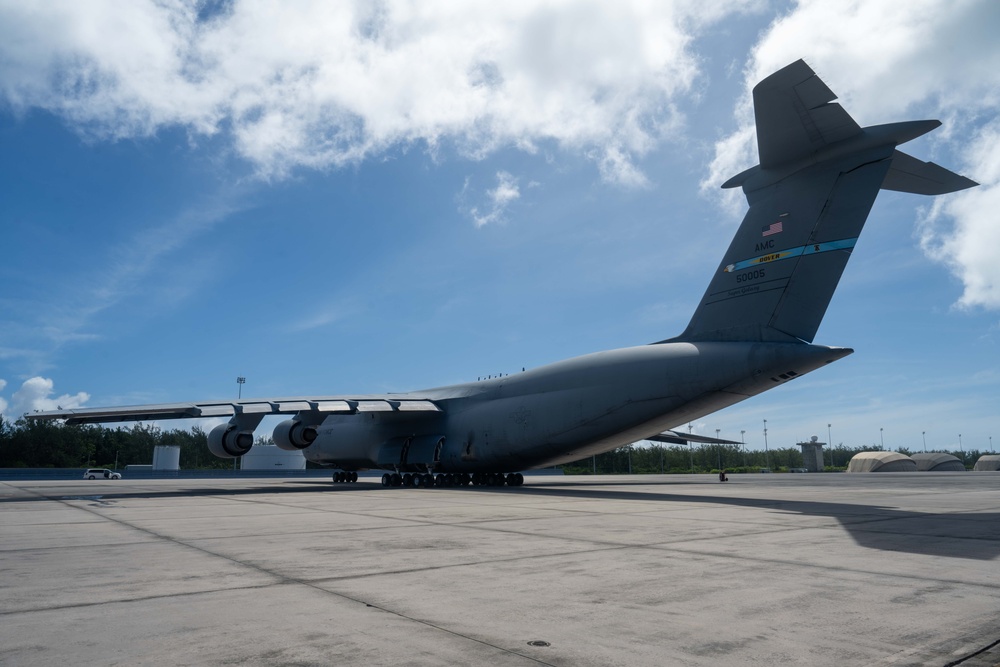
(812, 454)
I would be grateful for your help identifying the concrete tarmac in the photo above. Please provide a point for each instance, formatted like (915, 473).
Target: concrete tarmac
(834, 569)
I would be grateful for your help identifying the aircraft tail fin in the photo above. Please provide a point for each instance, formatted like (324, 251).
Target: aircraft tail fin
(810, 196)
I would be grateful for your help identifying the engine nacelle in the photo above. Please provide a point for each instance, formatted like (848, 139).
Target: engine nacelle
(293, 435)
(228, 442)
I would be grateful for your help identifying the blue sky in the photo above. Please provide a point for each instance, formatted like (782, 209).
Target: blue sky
(329, 200)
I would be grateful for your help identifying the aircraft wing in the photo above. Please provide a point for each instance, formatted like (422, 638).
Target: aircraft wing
(675, 438)
(269, 406)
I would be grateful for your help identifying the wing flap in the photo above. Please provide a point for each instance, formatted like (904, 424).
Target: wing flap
(417, 406)
(215, 410)
(374, 406)
(254, 408)
(287, 407)
(333, 406)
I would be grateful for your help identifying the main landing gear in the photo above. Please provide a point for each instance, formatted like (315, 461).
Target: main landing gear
(345, 477)
(446, 480)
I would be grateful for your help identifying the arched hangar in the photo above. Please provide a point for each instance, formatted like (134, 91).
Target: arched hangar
(938, 462)
(881, 462)
(987, 463)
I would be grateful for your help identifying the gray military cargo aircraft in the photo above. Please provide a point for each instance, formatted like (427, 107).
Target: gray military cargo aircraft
(809, 197)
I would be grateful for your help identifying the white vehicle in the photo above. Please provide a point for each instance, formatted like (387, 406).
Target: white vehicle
(100, 473)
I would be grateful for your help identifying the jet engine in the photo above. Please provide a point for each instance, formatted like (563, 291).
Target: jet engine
(228, 442)
(293, 435)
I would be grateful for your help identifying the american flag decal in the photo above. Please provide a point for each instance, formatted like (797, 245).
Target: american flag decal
(774, 228)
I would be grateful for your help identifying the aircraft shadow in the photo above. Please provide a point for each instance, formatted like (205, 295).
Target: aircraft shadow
(949, 534)
(109, 493)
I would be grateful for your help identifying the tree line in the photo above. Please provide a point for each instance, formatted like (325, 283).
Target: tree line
(45, 444)
(658, 458)
(27, 443)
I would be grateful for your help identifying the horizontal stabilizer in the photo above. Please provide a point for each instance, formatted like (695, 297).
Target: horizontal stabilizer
(908, 174)
(675, 438)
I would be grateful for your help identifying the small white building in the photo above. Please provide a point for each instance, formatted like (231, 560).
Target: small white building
(166, 457)
(270, 457)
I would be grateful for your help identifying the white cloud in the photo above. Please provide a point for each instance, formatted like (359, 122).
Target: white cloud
(321, 84)
(733, 154)
(616, 167)
(3, 402)
(36, 394)
(963, 231)
(890, 62)
(498, 199)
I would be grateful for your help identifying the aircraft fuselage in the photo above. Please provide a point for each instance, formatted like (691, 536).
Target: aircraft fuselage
(567, 410)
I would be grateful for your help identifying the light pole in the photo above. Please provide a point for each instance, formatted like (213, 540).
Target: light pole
(924, 435)
(719, 445)
(690, 451)
(743, 441)
(880, 438)
(767, 458)
(960, 449)
(829, 440)
(991, 443)
(240, 381)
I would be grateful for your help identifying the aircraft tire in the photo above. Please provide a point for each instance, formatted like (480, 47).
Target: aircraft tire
(385, 480)
(354, 477)
(396, 479)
